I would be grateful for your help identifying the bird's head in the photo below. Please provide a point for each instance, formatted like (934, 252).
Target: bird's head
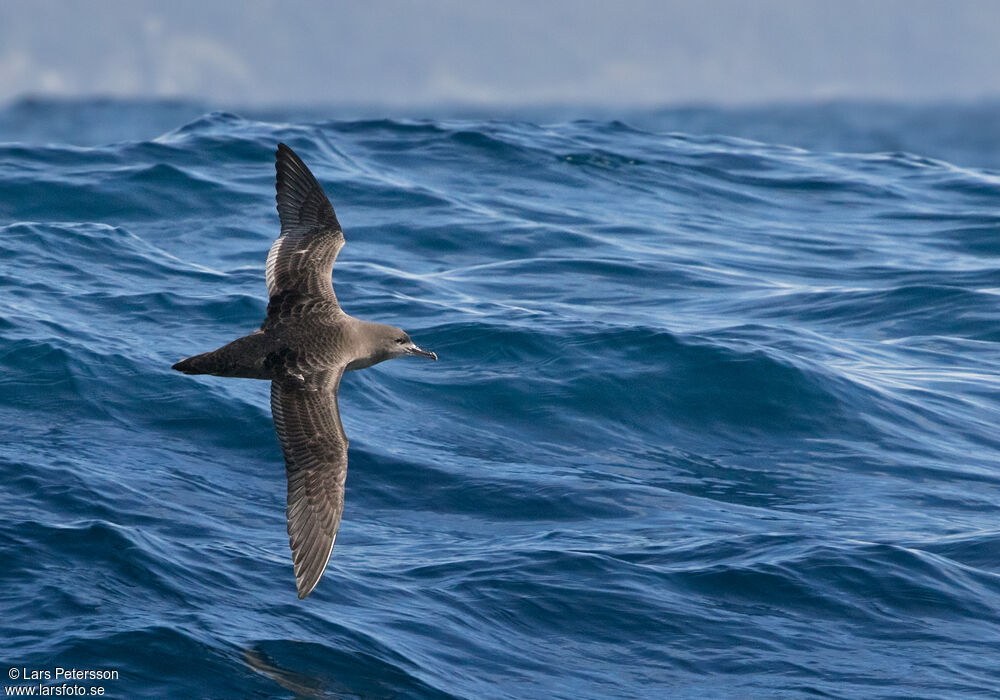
(398, 344)
(380, 342)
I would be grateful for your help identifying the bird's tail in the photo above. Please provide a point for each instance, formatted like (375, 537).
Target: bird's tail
(205, 363)
(244, 357)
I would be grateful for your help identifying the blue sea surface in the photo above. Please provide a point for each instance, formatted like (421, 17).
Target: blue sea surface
(715, 415)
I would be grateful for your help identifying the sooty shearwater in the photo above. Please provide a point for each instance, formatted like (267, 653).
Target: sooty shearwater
(304, 346)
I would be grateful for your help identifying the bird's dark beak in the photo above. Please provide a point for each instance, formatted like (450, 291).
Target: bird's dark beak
(418, 352)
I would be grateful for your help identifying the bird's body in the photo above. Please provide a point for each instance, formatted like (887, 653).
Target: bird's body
(303, 347)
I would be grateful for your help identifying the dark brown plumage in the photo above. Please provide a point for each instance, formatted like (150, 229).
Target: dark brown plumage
(304, 346)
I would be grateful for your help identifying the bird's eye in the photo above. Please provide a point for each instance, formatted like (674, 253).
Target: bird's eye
(400, 340)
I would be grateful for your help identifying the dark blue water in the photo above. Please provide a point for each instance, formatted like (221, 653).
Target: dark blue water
(715, 414)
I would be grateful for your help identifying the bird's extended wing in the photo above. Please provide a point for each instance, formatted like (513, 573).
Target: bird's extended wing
(300, 262)
(315, 447)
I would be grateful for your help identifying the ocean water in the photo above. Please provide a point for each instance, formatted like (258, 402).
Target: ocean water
(715, 414)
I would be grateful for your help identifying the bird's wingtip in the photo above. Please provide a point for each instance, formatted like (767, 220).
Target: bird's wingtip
(300, 199)
(305, 588)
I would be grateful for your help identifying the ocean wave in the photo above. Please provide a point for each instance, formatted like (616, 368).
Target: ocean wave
(714, 413)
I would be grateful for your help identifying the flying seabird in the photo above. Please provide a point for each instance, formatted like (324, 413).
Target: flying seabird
(304, 346)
